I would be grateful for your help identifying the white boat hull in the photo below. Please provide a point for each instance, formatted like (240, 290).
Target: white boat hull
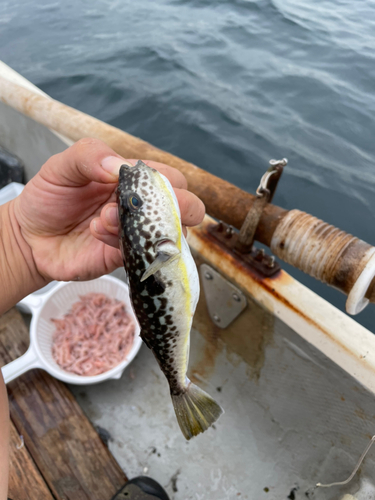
(295, 376)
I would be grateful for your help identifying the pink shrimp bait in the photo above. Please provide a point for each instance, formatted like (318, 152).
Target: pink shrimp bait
(94, 337)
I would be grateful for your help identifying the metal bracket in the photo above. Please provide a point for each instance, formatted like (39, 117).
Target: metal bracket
(225, 302)
(264, 195)
(256, 259)
(271, 178)
(241, 244)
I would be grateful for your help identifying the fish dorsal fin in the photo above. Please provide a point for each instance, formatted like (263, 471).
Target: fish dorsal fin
(167, 253)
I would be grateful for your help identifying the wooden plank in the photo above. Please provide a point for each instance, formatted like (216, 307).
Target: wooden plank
(67, 450)
(25, 481)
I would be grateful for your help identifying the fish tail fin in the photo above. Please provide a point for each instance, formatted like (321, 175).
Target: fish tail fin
(195, 410)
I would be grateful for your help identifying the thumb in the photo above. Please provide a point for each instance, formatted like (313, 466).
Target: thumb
(87, 160)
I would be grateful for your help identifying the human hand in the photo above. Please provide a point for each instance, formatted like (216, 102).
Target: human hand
(67, 213)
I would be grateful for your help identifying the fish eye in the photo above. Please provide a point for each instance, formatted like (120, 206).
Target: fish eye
(134, 202)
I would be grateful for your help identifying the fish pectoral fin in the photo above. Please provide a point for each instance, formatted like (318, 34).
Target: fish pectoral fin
(163, 258)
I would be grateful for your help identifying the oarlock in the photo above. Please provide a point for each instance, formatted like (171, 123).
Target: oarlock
(242, 243)
(307, 243)
(264, 195)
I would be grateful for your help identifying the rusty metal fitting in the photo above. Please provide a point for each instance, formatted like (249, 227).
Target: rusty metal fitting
(264, 195)
(270, 179)
(326, 253)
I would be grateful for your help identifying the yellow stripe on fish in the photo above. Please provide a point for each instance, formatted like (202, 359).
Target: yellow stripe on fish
(168, 190)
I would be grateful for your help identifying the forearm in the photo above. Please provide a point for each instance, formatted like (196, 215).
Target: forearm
(18, 278)
(18, 274)
(4, 440)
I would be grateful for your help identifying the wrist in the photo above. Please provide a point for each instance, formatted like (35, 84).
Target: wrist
(18, 273)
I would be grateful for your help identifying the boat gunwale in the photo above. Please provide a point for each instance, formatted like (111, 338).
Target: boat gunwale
(337, 336)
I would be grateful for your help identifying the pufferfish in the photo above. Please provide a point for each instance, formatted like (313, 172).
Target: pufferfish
(164, 286)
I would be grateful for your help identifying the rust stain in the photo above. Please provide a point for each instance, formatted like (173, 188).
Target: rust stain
(213, 346)
(267, 283)
(211, 246)
(246, 338)
(361, 414)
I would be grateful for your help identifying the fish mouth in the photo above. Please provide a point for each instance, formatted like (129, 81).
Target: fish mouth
(163, 242)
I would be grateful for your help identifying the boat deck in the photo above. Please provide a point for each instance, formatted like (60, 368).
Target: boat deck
(292, 418)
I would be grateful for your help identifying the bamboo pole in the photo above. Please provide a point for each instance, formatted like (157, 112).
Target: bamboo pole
(222, 199)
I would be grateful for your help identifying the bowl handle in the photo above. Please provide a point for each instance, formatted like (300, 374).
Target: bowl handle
(21, 365)
(31, 303)
(117, 376)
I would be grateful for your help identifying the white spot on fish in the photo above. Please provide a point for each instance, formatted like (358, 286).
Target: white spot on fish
(157, 303)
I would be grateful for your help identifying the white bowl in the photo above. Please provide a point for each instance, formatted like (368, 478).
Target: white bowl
(54, 302)
(10, 192)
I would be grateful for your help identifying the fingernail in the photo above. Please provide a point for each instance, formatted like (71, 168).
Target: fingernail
(111, 216)
(112, 164)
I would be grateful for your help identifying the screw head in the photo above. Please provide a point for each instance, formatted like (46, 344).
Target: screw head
(216, 318)
(229, 232)
(236, 297)
(271, 262)
(260, 254)
(208, 276)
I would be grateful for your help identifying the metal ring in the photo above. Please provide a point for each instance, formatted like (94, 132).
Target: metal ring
(356, 301)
